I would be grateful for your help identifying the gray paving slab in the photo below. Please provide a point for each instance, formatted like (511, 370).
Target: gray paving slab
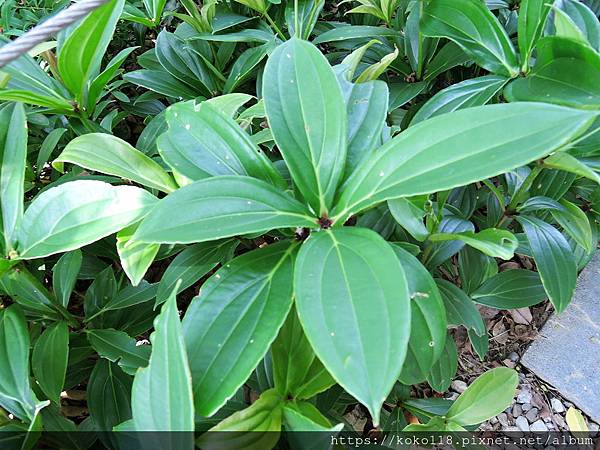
(566, 354)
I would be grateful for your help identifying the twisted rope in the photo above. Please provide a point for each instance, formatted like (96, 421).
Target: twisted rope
(43, 31)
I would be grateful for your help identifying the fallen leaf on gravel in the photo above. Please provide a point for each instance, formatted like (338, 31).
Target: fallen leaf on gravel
(522, 316)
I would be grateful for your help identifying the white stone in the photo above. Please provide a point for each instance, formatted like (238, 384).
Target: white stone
(522, 423)
(557, 405)
(538, 425)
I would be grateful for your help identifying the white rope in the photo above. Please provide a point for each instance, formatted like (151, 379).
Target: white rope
(41, 33)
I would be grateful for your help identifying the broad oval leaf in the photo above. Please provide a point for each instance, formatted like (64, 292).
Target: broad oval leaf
(49, 360)
(192, 264)
(203, 141)
(257, 427)
(460, 309)
(118, 347)
(489, 395)
(307, 116)
(491, 241)
(230, 325)
(64, 275)
(77, 213)
(161, 395)
(221, 207)
(354, 305)
(111, 155)
(81, 54)
(466, 94)
(13, 156)
(135, 257)
(511, 289)
(297, 372)
(428, 320)
(471, 25)
(16, 395)
(441, 374)
(553, 258)
(459, 148)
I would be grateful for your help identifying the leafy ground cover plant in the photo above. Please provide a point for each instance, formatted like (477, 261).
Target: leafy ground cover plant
(323, 201)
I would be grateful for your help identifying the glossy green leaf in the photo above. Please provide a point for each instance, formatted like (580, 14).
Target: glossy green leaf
(221, 207)
(135, 257)
(230, 325)
(428, 320)
(192, 264)
(553, 258)
(443, 370)
(459, 148)
(576, 224)
(410, 216)
(202, 141)
(511, 289)
(111, 155)
(161, 396)
(344, 33)
(118, 347)
(306, 112)
(161, 82)
(77, 213)
(64, 275)
(108, 396)
(466, 94)
(49, 360)
(471, 25)
(460, 309)
(13, 152)
(257, 427)
(585, 20)
(532, 18)
(489, 395)
(474, 268)
(491, 241)
(155, 9)
(81, 54)
(15, 391)
(568, 163)
(354, 305)
(309, 429)
(297, 372)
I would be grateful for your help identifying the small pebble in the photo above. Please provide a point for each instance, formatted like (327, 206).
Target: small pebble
(526, 407)
(510, 429)
(513, 356)
(538, 426)
(522, 424)
(459, 386)
(557, 406)
(503, 419)
(517, 411)
(532, 415)
(524, 396)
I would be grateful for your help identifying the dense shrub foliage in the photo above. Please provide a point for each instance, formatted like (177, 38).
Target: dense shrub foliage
(323, 191)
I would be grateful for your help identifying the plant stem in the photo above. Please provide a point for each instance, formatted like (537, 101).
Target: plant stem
(274, 25)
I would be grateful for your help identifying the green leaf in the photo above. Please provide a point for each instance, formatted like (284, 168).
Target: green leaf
(297, 372)
(49, 360)
(354, 305)
(443, 370)
(343, 33)
(135, 257)
(230, 325)
(192, 264)
(306, 112)
(15, 391)
(13, 152)
(585, 20)
(489, 395)
(111, 71)
(221, 207)
(118, 347)
(64, 275)
(81, 54)
(568, 163)
(532, 18)
(459, 148)
(576, 224)
(257, 427)
(566, 73)
(428, 320)
(460, 309)
(161, 396)
(108, 397)
(553, 258)
(491, 241)
(511, 289)
(471, 25)
(245, 65)
(117, 158)
(155, 9)
(203, 141)
(162, 82)
(77, 213)
(308, 428)
(466, 94)
(410, 216)
(474, 268)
